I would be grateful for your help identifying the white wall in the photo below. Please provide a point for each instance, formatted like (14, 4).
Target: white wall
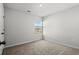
(19, 27)
(63, 27)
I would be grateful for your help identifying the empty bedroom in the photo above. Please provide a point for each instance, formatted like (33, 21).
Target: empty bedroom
(39, 28)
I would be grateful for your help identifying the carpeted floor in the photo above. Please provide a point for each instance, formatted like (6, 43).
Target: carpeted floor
(40, 47)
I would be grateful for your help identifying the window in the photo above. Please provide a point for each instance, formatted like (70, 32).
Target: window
(38, 26)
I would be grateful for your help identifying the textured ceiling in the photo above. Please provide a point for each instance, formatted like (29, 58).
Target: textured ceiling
(44, 10)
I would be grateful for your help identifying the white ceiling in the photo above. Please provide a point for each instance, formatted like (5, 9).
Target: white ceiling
(46, 9)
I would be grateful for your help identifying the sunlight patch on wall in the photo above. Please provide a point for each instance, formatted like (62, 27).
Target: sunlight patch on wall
(45, 24)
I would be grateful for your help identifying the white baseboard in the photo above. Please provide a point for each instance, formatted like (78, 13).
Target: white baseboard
(65, 44)
(19, 43)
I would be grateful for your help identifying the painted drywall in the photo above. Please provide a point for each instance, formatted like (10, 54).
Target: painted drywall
(19, 27)
(63, 27)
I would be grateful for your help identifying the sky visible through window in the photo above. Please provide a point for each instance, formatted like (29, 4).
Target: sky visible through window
(39, 23)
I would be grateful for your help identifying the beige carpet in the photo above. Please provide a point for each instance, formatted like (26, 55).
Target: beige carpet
(40, 47)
